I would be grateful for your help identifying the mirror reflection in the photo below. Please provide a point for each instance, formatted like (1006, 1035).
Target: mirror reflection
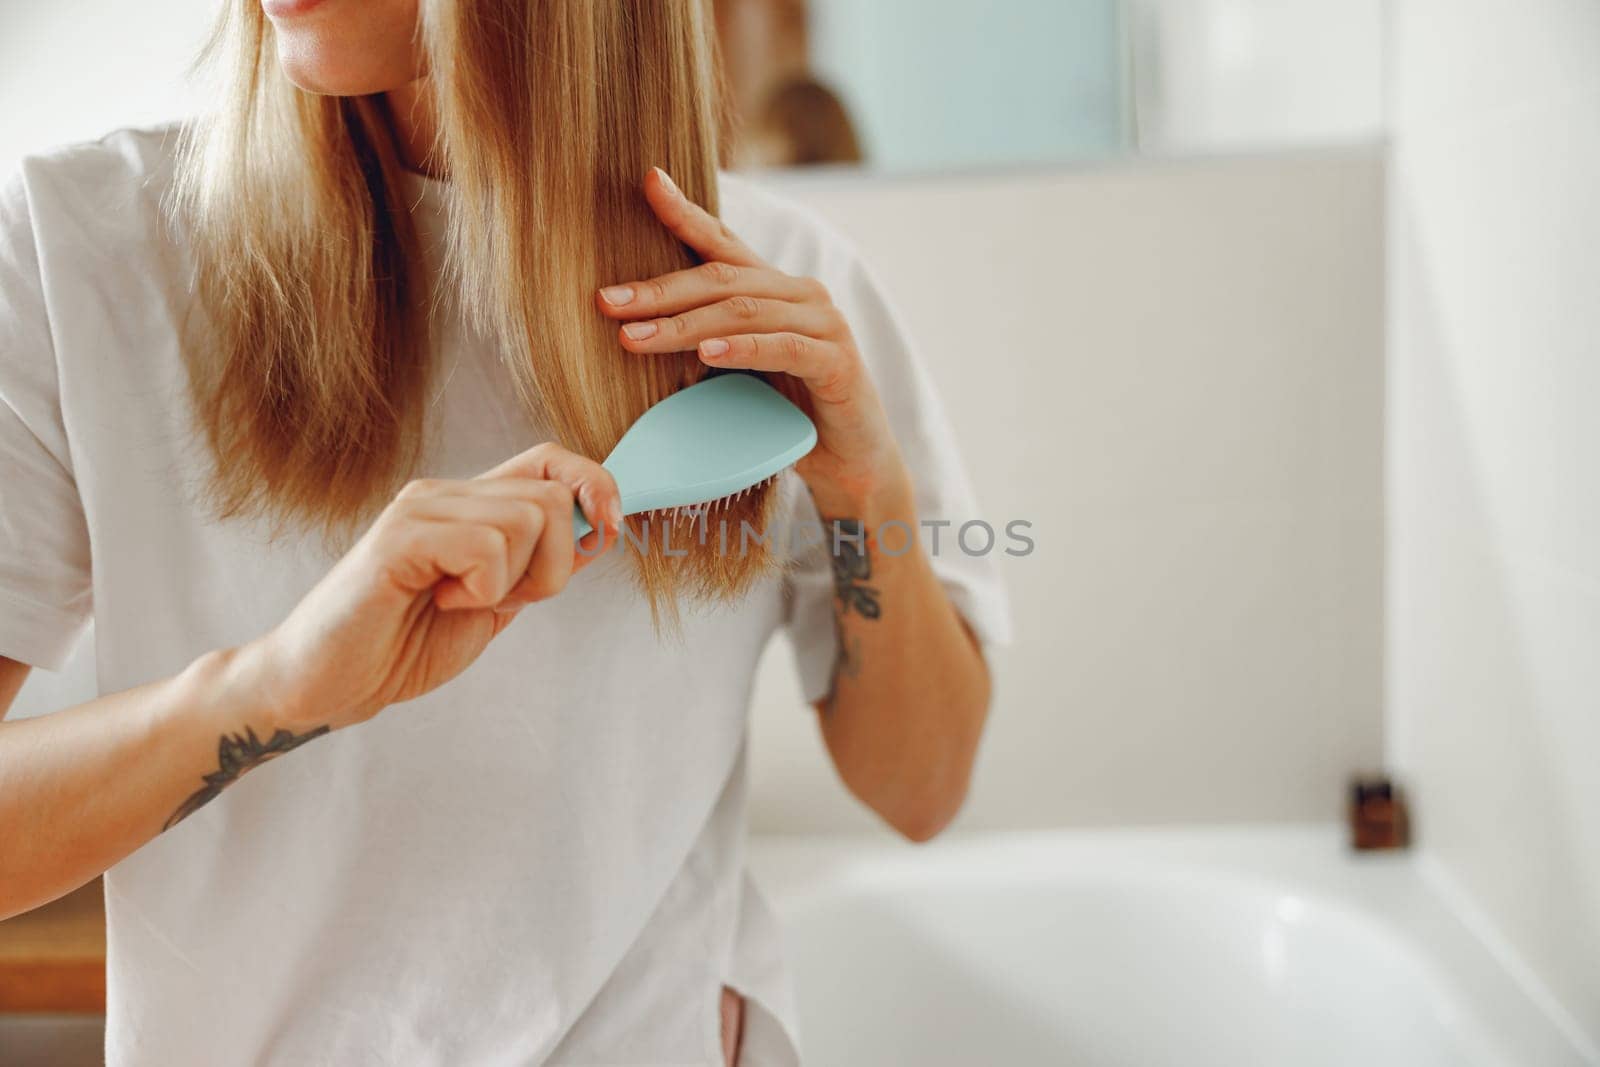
(900, 86)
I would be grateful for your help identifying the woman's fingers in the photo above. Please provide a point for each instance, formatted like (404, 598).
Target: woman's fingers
(502, 540)
(465, 563)
(520, 520)
(693, 224)
(594, 544)
(552, 562)
(735, 315)
(711, 281)
(591, 484)
(825, 367)
(536, 519)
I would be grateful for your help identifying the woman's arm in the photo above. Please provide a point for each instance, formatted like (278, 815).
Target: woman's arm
(82, 788)
(441, 572)
(911, 689)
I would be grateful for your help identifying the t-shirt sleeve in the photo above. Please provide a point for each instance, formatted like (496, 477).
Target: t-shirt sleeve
(44, 540)
(944, 497)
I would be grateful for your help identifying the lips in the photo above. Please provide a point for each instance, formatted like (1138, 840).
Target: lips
(284, 9)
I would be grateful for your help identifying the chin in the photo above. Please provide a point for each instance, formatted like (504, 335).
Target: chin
(325, 71)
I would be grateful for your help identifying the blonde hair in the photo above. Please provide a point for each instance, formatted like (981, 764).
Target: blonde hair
(310, 370)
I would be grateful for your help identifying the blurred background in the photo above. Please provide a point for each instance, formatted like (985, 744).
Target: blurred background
(894, 86)
(1276, 318)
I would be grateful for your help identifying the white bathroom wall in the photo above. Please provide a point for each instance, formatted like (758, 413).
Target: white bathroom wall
(1494, 530)
(71, 70)
(1209, 75)
(1174, 370)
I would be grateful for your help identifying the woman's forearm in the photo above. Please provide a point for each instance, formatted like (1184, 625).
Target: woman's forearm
(441, 571)
(82, 788)
(910, 688)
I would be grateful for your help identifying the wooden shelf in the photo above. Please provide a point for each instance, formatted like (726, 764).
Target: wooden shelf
(53, 959)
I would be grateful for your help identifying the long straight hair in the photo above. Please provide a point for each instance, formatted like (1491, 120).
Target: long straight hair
(310, 371)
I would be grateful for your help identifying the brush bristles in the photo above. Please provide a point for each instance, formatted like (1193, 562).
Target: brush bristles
(715, 570)
(705, 508)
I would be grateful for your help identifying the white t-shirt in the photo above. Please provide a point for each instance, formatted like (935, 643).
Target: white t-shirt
(541, 861)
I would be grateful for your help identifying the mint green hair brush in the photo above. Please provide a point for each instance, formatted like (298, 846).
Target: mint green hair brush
(715, 440)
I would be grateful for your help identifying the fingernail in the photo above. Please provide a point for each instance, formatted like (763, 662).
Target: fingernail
(617, 295)
(713, 348)
(614, 512)
(640, 331)
(667, 182)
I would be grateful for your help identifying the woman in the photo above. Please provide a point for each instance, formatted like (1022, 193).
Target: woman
(280, 396)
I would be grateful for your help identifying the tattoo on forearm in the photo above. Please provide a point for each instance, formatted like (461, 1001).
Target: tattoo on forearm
(852, 566)
(851, 556)
(236, 754)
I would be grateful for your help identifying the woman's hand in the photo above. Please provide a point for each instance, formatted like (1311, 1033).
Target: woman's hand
(735, 310)
(440, 573)
(910, 687)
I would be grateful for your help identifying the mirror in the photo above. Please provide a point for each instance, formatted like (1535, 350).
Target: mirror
(898, 86)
